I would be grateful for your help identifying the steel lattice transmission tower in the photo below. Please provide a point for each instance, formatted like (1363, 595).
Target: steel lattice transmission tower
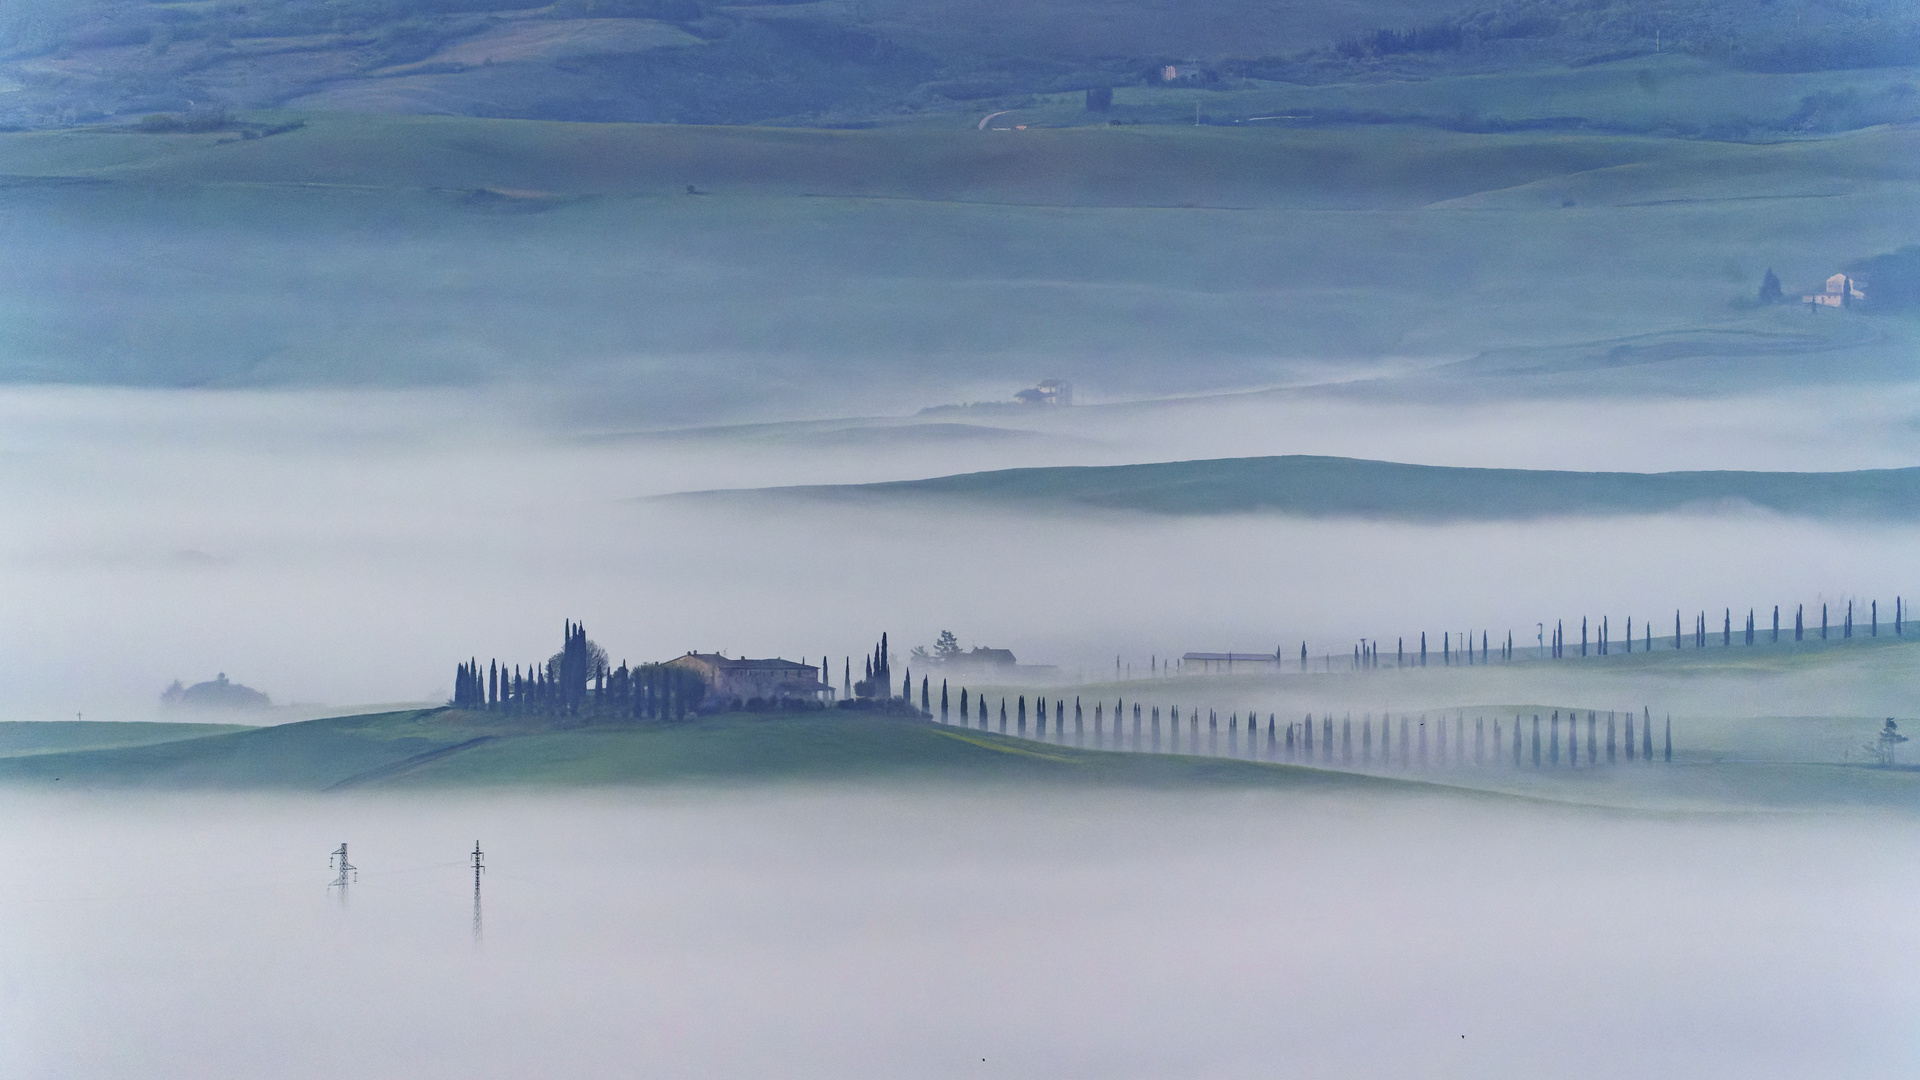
(479, 866)
(347, 871)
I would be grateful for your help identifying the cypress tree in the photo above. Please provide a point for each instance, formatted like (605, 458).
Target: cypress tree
(1583, 635)
(943, 701)
(1423, 648)
(1536, 740)
(1003, 716)
(926, 706)
(1849, 623)
(1631, 749)
(1646, 735)
(1800, 622)
(1823, 622)
(1667, 755)
(1077, 730)
(1610, 737)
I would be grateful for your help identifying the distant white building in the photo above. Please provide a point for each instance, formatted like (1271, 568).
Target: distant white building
(1841, 292)
(1049, 392)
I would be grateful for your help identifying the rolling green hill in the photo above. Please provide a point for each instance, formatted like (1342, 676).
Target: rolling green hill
(829, 62)
(1344, 487)
(444, 747)
(435, 250)
(58, 736)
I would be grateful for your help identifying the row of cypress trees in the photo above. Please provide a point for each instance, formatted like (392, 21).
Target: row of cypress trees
(1295, 742)
(1598, 640)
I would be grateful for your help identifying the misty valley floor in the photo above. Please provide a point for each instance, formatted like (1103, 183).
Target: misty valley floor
(817, 930)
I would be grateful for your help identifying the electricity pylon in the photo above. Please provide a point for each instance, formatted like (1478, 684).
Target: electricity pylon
(347, 871)
(478, 867)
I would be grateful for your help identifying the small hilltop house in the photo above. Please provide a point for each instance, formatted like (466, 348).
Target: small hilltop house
(1048, 392)
(1842, 291)
(746, 680)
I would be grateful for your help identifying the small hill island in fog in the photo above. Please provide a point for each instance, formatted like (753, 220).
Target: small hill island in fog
(216, 693)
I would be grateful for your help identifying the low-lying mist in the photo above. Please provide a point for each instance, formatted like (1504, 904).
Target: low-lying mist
(351, 547)
(951, 932)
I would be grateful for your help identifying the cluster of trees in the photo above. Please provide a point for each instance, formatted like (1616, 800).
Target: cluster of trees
(877, 682)
(576, 682)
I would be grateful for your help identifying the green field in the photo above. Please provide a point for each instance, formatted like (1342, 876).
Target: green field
(1736, 744)
(432, 250)
(1342, 487)
(444, 747)
(18, 738)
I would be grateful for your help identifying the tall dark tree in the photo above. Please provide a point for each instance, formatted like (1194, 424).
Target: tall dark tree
(1770, 291)
(943, 701)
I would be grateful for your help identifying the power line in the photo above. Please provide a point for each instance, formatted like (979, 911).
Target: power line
(479, 866)
(339, 859)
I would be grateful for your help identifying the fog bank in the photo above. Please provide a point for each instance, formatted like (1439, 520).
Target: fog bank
(951, 933)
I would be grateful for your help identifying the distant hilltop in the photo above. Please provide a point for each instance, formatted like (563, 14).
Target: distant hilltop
(216, 694)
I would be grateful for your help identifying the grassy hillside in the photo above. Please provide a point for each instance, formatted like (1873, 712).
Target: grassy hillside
(411, 250)
(446, 747)
(880, 61)
(1343, 487)
(1719, 763)
(1374, 167)
(58, 736)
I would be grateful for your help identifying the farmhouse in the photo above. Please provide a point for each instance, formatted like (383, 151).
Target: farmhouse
(767, 680)
(1842, 291)
(1049, 392)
